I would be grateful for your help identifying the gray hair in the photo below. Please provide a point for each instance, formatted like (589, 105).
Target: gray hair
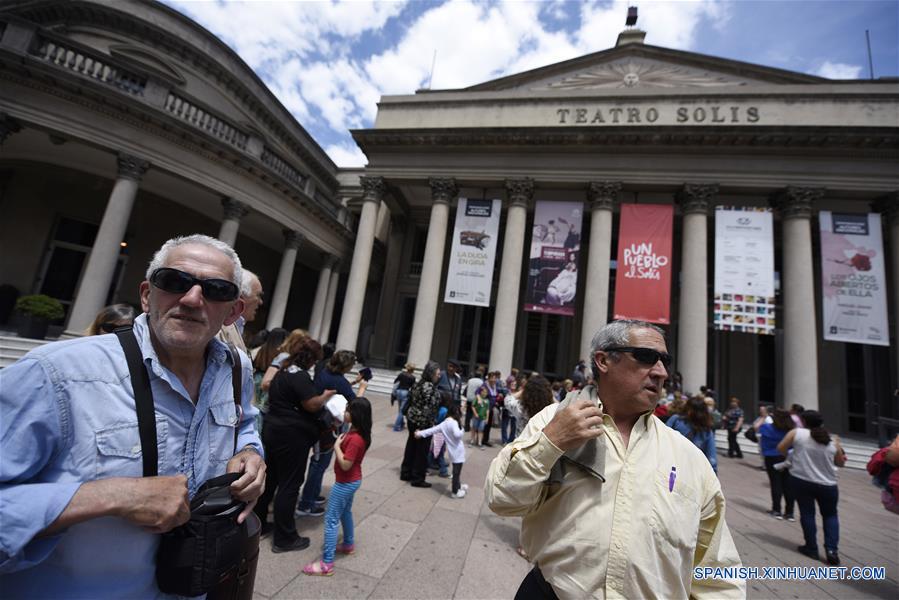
(246, 283)
(162, 255)
(427, 374)
(618, 333)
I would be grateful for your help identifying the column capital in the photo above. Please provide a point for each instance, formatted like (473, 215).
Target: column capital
(520, 191)
(443, 189)
(696, 198)
(329, 261)
(603, 194)
(292, 239)
(131, 167)
(795, 202)
(234, 209)
(373, 188)
(8, 126)
(888, 206)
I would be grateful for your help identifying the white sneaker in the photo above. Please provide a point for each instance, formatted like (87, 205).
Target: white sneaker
(464, 486)
(459, 494)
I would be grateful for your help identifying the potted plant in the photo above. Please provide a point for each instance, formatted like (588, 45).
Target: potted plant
(38, 310)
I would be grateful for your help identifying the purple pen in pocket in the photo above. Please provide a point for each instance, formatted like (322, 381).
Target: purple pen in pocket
(671, 477)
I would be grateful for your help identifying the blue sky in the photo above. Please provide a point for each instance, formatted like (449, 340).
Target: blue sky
(330, 61)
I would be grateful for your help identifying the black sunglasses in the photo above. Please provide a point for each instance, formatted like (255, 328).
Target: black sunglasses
(645, 356)
(174, 281)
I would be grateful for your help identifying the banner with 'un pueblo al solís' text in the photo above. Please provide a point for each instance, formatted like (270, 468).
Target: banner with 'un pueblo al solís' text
(853, 286)
(469, 276)
(553, 261)
(744, 270)
(643, 278)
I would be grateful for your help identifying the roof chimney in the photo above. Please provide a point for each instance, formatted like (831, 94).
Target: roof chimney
(630, 35)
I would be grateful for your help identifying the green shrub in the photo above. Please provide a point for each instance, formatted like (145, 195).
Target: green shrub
(40, 306)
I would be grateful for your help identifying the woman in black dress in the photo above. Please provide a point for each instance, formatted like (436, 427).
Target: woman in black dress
(290, 429)
(424, 401)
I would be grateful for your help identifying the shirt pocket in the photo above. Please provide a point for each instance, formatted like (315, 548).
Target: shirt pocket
(675, 513)
(221, 431)
(119, 451)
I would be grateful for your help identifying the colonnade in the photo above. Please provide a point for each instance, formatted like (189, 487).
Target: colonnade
(696, 201)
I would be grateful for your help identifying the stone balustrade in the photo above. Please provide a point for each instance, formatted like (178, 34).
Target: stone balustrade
(89, 65)
(195, 115)
(282, 167)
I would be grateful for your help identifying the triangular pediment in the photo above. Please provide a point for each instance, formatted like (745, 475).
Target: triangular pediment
(638, 66)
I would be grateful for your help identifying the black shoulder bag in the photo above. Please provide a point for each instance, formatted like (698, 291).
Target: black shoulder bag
(211, 553)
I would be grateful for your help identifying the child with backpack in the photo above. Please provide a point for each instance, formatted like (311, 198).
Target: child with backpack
(451, 429)
(349, 449)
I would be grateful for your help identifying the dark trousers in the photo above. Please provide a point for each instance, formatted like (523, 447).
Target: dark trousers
(827, 496)
(415, 456)
(286, 454)
(457, 470)
(780, 485)
(535, 587)
(733, 446)
(468, 415)
(486, 437)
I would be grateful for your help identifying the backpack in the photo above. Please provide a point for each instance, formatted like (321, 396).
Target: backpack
(886, 477)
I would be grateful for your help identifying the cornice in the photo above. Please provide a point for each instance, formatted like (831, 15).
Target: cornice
(57, 15)
(752, 138)
(796, 202)
(603, 194)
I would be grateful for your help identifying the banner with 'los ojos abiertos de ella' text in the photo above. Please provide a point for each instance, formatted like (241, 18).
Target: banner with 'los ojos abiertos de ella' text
(853, 286)
(553, 259)
(643, 278)
(469, 276)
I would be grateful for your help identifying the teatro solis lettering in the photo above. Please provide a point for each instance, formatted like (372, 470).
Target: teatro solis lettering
(629, 115)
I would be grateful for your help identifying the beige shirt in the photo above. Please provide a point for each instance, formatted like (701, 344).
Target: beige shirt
(629, 537)
(229, 333)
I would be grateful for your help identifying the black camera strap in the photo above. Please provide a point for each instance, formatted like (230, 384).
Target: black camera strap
(143, 397)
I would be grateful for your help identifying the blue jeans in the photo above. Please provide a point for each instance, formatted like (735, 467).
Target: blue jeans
(339, 512)
(402, 397)
(507, 427)
(313, 487)
(807, 493)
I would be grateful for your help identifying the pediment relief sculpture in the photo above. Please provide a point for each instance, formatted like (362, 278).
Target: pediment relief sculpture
(636, 73)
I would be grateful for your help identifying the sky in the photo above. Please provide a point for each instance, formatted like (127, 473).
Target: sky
(329, 61)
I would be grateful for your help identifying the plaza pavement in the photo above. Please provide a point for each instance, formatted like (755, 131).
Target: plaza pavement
(420, 543)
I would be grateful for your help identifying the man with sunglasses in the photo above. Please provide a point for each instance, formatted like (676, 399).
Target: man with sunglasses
(614, 502)
(79, 520)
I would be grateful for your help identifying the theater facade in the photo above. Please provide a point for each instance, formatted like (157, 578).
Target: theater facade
(125, 123)
(640, 125)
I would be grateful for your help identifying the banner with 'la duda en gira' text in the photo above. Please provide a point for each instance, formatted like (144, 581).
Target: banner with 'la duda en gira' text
(469, 276)
(643, 278)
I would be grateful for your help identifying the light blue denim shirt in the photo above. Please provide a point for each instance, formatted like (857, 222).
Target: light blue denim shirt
(67, 416)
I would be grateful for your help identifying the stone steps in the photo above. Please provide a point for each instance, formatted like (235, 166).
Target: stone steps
(857, 452)
(12, 348)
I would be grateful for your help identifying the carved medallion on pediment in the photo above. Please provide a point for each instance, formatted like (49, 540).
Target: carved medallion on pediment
(634, 72)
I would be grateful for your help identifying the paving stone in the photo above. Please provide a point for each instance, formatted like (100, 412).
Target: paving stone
(379, 540)
(491, 571)
(343, 584)
(409, 503)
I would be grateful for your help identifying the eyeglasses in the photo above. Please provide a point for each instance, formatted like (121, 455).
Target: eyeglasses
(644, 356)
(174, 281)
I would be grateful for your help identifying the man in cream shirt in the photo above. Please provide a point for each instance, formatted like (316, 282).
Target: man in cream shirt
(615, 504)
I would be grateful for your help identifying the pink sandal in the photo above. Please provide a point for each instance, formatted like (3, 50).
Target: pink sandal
(319, 567)
(346, 548)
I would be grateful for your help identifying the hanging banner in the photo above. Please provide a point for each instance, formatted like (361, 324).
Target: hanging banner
(469, 276)
(555, 247)
(853, 281)
(643, 277)
(744, 270)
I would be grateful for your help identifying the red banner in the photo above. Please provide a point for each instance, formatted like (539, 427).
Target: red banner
(643, 278)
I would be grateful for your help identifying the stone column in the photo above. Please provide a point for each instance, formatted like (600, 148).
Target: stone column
(101, 263)
(321, 296)
(800, 344)
(442, 193)
(519, 193)
(328, 315)
(292, 241)
(603, 196)
(234, 210)
(374, 189)
(693, 314)
(888, 206)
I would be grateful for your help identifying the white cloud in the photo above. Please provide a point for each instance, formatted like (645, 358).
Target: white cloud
(838, 70)
(347, 155)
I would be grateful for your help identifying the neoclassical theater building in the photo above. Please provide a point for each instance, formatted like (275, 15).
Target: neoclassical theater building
(124, 123)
